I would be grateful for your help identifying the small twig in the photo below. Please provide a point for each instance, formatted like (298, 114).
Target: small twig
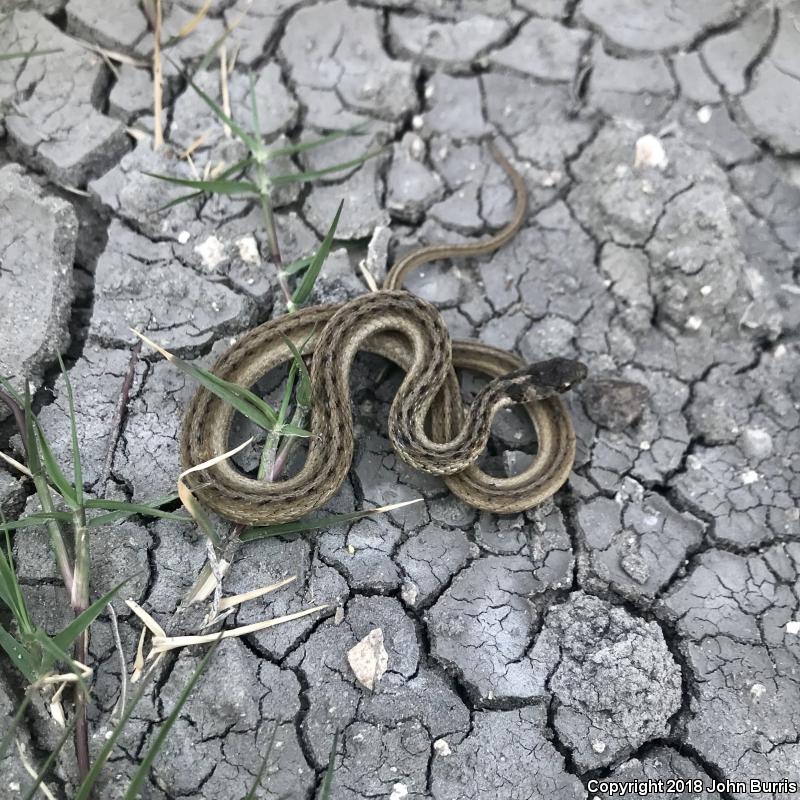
(120, 412)
(274, 247)
(23, 757)
(123, 667)
(158, 133)
(224, 90)
(218, 574)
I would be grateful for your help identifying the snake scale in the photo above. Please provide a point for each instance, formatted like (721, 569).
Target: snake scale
(429, 426)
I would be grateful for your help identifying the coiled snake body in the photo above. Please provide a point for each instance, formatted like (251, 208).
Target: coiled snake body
(429, 427)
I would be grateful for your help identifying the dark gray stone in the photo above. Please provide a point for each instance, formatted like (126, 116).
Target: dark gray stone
(614, 404)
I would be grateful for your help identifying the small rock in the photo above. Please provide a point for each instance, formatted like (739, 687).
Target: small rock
(636, 567)
(650, 152)
(369, 659)
(409, 592)
(378, 251)
(614, 404)
(248, 250)
(441, 747)
(399, 791)
(704, 115)
(756, 443)
(793, 627)
(211, 251)
(757, 690)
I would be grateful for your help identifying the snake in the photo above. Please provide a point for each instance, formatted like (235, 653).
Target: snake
(430, 427)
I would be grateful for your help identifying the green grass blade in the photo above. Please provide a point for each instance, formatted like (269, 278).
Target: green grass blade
(243, 400)
(150, 509)
(55, 476)
(20, 657)
(300, 147)
(184, 198)
(252, 142)
(287, 394)
(219, 186)
(101, 520)
(298, 266)
(76, 453)
(315, 523)
(293, 430)
(36, 519)
(243, 394)
(166, 727)
(263, 767)
(281, 180)
(239, 166)
(28, 54)
(302, 292)
(51, 758)
(304, 387)
(8, 737)
(325, 789)
(65, 638)
(10, 592)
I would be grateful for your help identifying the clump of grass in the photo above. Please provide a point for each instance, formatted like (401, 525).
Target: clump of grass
(251, 177)
(64, 506)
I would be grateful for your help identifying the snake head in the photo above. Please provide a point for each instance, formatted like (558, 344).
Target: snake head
(544, 379)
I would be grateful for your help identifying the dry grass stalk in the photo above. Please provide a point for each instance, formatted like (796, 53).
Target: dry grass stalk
(158, 98)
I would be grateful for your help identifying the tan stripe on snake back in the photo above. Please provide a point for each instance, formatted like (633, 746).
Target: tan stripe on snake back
(410, 332)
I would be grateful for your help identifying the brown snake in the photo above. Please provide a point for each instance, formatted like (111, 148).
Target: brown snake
(410, 332)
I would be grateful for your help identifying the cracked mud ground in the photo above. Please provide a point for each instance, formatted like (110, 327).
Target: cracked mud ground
(644, 625)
